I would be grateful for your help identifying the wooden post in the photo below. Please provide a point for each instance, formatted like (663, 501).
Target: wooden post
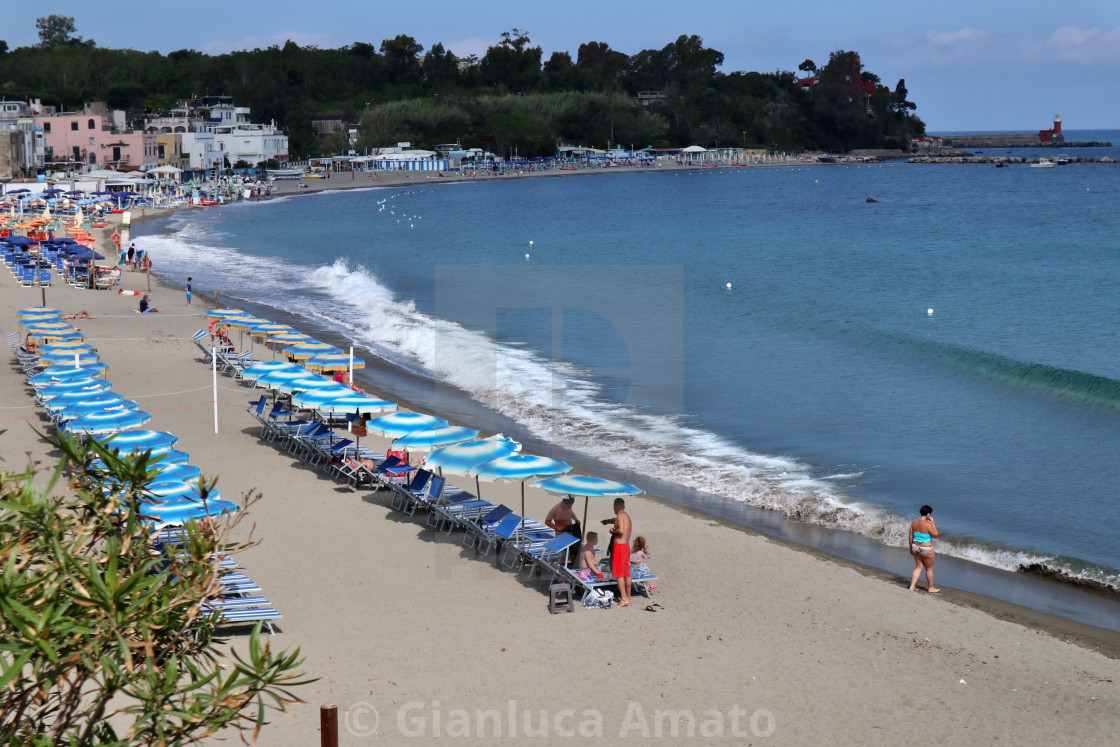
(328, 726)
(216, 305)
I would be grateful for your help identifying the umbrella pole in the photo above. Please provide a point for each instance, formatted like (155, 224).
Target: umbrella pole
(583, 526)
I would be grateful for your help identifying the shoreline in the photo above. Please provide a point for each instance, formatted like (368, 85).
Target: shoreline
(390, 614)
(983, 581)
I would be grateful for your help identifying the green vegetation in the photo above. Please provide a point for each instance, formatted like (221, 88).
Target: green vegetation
(510, 98)
(95, 623)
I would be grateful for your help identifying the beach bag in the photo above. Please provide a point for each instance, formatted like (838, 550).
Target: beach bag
(598, 599)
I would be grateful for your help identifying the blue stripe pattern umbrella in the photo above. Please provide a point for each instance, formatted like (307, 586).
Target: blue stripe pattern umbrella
(315, 397)
(333, 362)
(82, 348)
(257, 370)
(107, 421)
(77, 411)
(179, 490)
(400, 423)
(60, 373)
(291, 386)
(310, 350)
(137, 441)
(33, 310)
(56, 388)
(433, 438)
(462, 457)
(183, 472)
(40, 334)
(90, 401)
(520, 467)
(273, 379)
(175, 513)
(223, 313)
(352, 401)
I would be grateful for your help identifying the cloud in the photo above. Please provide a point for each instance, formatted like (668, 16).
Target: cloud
(221, 46)
(975, 46)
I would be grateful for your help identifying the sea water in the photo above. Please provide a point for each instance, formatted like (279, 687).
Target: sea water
(593, 314)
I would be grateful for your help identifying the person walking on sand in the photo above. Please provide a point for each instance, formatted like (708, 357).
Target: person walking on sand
(620, 544)
(189, 290)
(922, 532)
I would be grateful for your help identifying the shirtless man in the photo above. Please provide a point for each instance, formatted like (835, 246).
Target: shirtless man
(562, 520)
(620, 555)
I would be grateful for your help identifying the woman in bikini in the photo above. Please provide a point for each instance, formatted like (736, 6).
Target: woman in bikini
(922, 532)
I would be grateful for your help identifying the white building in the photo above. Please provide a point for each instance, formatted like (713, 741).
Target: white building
(201, 151)
(214, 130)
(23, 138)
(253, 143)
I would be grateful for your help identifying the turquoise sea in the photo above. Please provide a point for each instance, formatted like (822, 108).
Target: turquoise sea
(817, 398)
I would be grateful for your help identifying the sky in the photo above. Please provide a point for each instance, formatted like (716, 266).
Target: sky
(969, 65)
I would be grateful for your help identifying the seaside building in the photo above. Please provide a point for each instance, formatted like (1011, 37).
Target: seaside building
(1053, 135)
(94, 138)
(21, 140)
(213, 133)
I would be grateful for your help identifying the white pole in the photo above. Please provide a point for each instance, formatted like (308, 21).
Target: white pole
(214, 369)
(76, 359)
(350, 381)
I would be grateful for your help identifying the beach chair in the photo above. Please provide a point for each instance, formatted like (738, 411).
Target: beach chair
(403, 494)
(233, 613)
(354, 473)
(549, 555)
(529, 537)
(495, 534)
(486, 519)
(442, 510)
(206, 352)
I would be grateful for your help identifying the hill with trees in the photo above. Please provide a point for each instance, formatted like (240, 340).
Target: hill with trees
(509, 98)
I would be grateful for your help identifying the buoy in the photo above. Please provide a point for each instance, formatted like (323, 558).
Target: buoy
(526, 256)
(530, 243)
(729, 286)
(816, 181)
(929, 312)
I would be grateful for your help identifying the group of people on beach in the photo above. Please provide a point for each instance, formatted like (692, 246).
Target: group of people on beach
(624, 560)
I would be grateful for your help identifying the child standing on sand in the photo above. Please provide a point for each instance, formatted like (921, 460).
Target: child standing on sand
(189, 291)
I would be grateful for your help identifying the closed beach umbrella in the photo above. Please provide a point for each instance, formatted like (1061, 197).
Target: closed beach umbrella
(333, 362)
(588, 487)
(400, 423)
(434, 438)
(107, 421)
(520, 467)
(137, 441)
(351, 401)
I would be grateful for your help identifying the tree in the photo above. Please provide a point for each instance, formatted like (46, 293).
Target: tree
(899, 102)
(441, 67)
(512, 63)
(600, 66)
(56, 31)
(3, 47)
(96, 619)
(401, 59)
(808, 66)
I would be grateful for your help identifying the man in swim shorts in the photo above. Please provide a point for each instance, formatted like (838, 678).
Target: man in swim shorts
(620, 557)
(562, 519)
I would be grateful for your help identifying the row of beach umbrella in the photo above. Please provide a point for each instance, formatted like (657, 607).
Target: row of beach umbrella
(72, 388)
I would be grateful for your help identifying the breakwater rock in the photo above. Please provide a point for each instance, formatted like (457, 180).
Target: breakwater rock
(1002, 159)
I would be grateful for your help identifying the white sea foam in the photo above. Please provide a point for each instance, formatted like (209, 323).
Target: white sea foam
(556, 401)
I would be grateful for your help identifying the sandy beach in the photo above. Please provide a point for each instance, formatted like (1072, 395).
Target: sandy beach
(415, 637)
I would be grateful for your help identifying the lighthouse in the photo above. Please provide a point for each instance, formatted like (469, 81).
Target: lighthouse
(1058, 127)
(1054, 135)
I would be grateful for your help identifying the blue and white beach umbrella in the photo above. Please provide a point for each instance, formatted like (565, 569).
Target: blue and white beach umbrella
(134, 442)
(400, 423)
(177, 513)
(63, 373)
(36, 310)
(81, 348)
(89, 401)
(67, 335)
(271, 379)
(305, 350)
(461, 458)
(313, 398)
(54, 389)
(520, 467)
(257, 370)
(291, 386)
(223, 313)
(352, 401)
(434, 438)
(107, 421)
(588, 487)
(69, 360)
(181, 472)
(179, 490)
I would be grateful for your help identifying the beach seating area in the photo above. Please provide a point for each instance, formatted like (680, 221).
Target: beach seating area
(71, 385)
(304, 411)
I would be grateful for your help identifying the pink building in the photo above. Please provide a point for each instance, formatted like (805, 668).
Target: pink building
(87, 141)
